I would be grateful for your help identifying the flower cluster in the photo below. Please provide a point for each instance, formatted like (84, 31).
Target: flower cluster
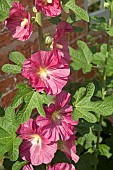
(47, 71)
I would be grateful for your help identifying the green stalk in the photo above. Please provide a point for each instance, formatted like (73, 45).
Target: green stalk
(104, 84)
(40, 33)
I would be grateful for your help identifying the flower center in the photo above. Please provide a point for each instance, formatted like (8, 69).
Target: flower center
(56, 116)
(43, 72)
(47, 1)
(36, 139)
(24, 22)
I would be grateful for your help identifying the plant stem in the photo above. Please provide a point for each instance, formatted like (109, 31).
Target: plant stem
(104, 84)
(40, 35)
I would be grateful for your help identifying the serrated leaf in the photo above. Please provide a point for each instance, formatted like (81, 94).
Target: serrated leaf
(104, 150)
(83, 107)
(5, 6)
(8, 140)
(17, 57)
(31, 100)
(18, 165)
(81, 13)
(82, 58)
(11, 68)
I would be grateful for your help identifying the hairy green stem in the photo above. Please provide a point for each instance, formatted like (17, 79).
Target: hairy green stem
(104, 84)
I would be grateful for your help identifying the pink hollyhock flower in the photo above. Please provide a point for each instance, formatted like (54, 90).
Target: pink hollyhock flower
(35, 148)
(69, 148)
(62, 166)
(50, 8)
(46, 72)
(58, 123)
(59, 40)
(19, 22)
(28, 167)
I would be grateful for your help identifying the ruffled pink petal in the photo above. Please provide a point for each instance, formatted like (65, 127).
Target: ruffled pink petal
(50, 9)
(28, 167)
(62, 166)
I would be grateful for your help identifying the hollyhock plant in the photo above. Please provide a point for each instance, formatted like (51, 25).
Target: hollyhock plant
(62, 166)
(69, 148)
(50, 8)
(59, 40)
(46, 72)
(19, 22)
(35, 148)
(28, 167)
(58, 123)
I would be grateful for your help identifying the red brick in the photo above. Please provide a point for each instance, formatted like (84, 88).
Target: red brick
(5, 39)
(7, 99)
(7, 84)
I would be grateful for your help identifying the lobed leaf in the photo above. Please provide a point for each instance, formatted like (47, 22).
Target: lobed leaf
(8, 141)
(82, 58)
(30, 100)
(81, 13)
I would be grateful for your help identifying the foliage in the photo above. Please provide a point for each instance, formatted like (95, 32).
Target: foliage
(91, 100)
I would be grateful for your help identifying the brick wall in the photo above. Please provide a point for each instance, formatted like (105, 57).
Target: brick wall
(7, 44)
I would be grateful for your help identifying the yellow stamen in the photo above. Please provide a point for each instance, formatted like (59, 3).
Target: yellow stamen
(43, 72)
(56, 116)
(24, 22)
(36, 139)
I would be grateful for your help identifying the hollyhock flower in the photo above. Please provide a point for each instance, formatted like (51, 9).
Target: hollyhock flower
(69, 148)
(62, 166)
(58, 123)
(28, 167)
(19, 22)
(59, 40)
(50, 8)
(35, 148)
(46, 72)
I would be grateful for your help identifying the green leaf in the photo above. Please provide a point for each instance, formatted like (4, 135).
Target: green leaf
(81, 13)
(18, 165)
(88, 140)
(8, 141)
(17, 57)
(81, 58)
(5, 6)
(83, 127)
(38, 18)
(55, 20)
(31, 100)
(87, 162)
(110, 31)
(82, 104)
(11, 68)
(83, 107)
(99, 59)
(104, 150)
